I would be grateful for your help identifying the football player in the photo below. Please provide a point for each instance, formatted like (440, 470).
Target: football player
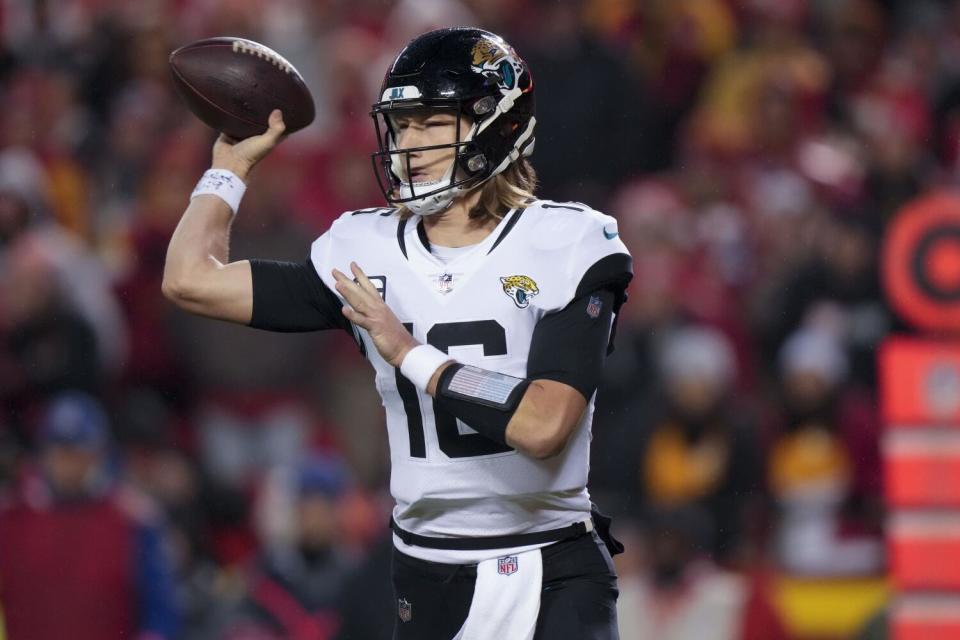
(486, 313)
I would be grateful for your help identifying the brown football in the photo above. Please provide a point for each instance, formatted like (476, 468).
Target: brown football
(233, 84)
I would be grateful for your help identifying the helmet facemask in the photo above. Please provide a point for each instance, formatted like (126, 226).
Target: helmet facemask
(393, 166)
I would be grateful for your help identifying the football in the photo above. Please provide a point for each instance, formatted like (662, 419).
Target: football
(233, 84)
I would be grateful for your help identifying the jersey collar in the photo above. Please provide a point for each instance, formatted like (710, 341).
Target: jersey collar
(487, 245)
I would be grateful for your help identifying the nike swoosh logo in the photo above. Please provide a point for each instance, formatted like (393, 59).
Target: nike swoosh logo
(608, 235)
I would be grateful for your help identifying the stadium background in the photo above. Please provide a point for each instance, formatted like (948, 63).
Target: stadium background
(753, 151)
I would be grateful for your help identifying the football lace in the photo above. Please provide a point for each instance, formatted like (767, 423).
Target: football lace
(264, 53)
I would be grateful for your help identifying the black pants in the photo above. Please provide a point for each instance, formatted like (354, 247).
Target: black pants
(578, 601)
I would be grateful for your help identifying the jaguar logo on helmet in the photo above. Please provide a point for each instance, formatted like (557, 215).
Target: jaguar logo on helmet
(497, 60)
(486, 51)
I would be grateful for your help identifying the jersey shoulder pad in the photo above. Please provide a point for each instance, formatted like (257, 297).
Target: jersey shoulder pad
(562, 224)
(363, 221)
(584, 239)
(355, 235)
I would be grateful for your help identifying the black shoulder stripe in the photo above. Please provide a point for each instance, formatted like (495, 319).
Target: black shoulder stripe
(383, 211)
(610, 272)
(379, 210)
(561, 206)
(401, 227)
(507, 229)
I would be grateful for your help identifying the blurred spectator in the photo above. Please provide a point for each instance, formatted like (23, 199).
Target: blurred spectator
(295, 589)
(14, 217)
(9, 454)
(839, 287)
(597, 115)
(209, 585)
(702, 451)
(48, 346)
(153, 359)
(87, 286)
(824, 468)
(763, 96)
(691, 265)
(76, 544)
(673, 590)
(681, 42)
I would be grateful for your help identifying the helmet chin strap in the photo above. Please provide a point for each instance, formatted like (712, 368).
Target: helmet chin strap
(433, 203)
(429, 205)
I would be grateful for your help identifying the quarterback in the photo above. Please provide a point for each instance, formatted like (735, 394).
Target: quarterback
(486, 313)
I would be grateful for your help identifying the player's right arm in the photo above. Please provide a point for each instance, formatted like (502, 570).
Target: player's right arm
(198, 275)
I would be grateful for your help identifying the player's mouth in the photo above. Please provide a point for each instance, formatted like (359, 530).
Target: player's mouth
(421, 176)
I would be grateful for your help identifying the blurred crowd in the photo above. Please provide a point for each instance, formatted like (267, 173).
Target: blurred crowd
(165, 476)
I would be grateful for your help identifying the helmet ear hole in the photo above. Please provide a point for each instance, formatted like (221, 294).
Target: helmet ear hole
(484, 105)
(476, 163)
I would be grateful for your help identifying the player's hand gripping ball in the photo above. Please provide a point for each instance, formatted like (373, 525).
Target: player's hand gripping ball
(233, 84)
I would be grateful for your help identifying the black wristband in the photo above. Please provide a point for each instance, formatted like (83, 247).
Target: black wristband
(484, 400)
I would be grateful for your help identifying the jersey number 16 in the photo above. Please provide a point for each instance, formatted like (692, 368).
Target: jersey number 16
(489, 335)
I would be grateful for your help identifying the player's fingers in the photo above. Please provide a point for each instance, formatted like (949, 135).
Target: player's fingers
(354, 316)
(363, 280)
(349, 289)
(350, 296)
(276, 125)
(367, 293)
(339, 276)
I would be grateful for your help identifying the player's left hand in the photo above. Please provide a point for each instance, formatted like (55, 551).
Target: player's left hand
(368, 310)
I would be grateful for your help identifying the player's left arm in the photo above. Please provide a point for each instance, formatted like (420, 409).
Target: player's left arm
(541, 412)
(537, 414)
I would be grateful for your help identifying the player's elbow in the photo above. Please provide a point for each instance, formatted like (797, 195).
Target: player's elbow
(546, 420)
(546, 440)
(547, 448)
(173, 290)
(179, 291)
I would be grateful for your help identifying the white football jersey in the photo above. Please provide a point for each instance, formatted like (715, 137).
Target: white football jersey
(481, 307)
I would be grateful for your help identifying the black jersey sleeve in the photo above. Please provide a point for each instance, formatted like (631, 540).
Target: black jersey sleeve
(569, 345)
(291, 297)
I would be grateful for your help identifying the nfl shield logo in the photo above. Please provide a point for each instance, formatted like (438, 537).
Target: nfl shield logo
(507, 565)
(445, 283)
(593, 307)
(405, 611)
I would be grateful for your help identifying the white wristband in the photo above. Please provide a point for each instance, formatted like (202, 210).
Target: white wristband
(224, 184)
(421, 363)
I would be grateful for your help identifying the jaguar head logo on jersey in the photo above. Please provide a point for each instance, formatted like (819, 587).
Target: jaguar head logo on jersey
(520, 289)
(405, 610)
